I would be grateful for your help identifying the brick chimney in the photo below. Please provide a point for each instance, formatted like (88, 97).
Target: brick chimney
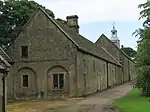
(72, 22)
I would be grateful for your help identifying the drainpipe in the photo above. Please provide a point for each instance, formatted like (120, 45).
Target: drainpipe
(4, 99)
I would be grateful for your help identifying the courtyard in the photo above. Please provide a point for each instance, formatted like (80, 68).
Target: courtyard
(99, 102)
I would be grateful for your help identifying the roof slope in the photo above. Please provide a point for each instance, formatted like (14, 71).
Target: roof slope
(88, 46)
(5, 56)
(5, 62)
(83, 43)
(103, 36)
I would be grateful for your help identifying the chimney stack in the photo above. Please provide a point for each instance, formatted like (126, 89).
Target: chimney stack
(72, 22)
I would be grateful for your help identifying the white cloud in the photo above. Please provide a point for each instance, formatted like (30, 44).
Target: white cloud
(95, 10)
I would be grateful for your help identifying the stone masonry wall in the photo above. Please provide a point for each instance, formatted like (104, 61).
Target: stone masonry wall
(47, 47)
(92, 74)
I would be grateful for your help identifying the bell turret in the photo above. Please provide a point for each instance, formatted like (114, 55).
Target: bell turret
(114, 37)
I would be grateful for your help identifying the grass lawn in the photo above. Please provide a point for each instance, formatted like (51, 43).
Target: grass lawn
(40, 106)
(133, 102)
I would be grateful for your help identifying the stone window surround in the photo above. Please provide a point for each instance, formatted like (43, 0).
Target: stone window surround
(52, 73)
(22, 81)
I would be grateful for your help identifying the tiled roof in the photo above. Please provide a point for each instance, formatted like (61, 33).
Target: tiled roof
(5, 56)
(4, 62)
(82, 43)
(86, 45)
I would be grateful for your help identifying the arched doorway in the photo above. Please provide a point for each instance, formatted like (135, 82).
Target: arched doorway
(26, 83)
(57, 81)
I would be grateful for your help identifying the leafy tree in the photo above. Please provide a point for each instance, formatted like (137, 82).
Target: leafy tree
(143, 52)
(13, 15)
(129, 51)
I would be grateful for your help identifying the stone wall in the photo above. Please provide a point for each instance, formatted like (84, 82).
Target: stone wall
(109, 46)
(126, 63)
(132, 71)
(94, 74)
(48, 48)
(114, 77)
(40, 78)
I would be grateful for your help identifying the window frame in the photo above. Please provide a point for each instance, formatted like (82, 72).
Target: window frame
(64, 80)
(22, 81)
(27, 48)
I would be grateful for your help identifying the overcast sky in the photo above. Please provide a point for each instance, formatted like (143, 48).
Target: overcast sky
(97, 16)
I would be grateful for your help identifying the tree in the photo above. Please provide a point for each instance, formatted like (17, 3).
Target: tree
(13, 15)
(143, 52)
(129, 51)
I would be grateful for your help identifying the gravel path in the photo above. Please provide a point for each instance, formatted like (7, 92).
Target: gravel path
(100, 102)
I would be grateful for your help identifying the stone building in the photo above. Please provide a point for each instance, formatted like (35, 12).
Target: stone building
(52, 59)
(4, 69)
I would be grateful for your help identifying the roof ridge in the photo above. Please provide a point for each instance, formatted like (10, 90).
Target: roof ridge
(5, 53)
(114, 45)
(102, 35)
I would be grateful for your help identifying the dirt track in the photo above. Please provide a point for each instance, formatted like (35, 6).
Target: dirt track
(99, 102)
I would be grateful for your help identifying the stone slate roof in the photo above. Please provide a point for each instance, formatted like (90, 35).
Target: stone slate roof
(5, 56)
(82, 43)
(103, 36)
(88, 46)
(6, 64)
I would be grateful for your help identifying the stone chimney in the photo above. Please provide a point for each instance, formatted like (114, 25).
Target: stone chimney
(72, 22)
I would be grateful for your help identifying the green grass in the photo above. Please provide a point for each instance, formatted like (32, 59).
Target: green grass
(133, 102)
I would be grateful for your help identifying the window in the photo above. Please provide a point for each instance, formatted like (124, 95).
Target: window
(93, 65)
(115, 42)
(25, 80)
(24, 51)
(58, 81)
(113, 33)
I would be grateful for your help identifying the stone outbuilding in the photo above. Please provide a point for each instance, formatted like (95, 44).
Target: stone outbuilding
(50, 59)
